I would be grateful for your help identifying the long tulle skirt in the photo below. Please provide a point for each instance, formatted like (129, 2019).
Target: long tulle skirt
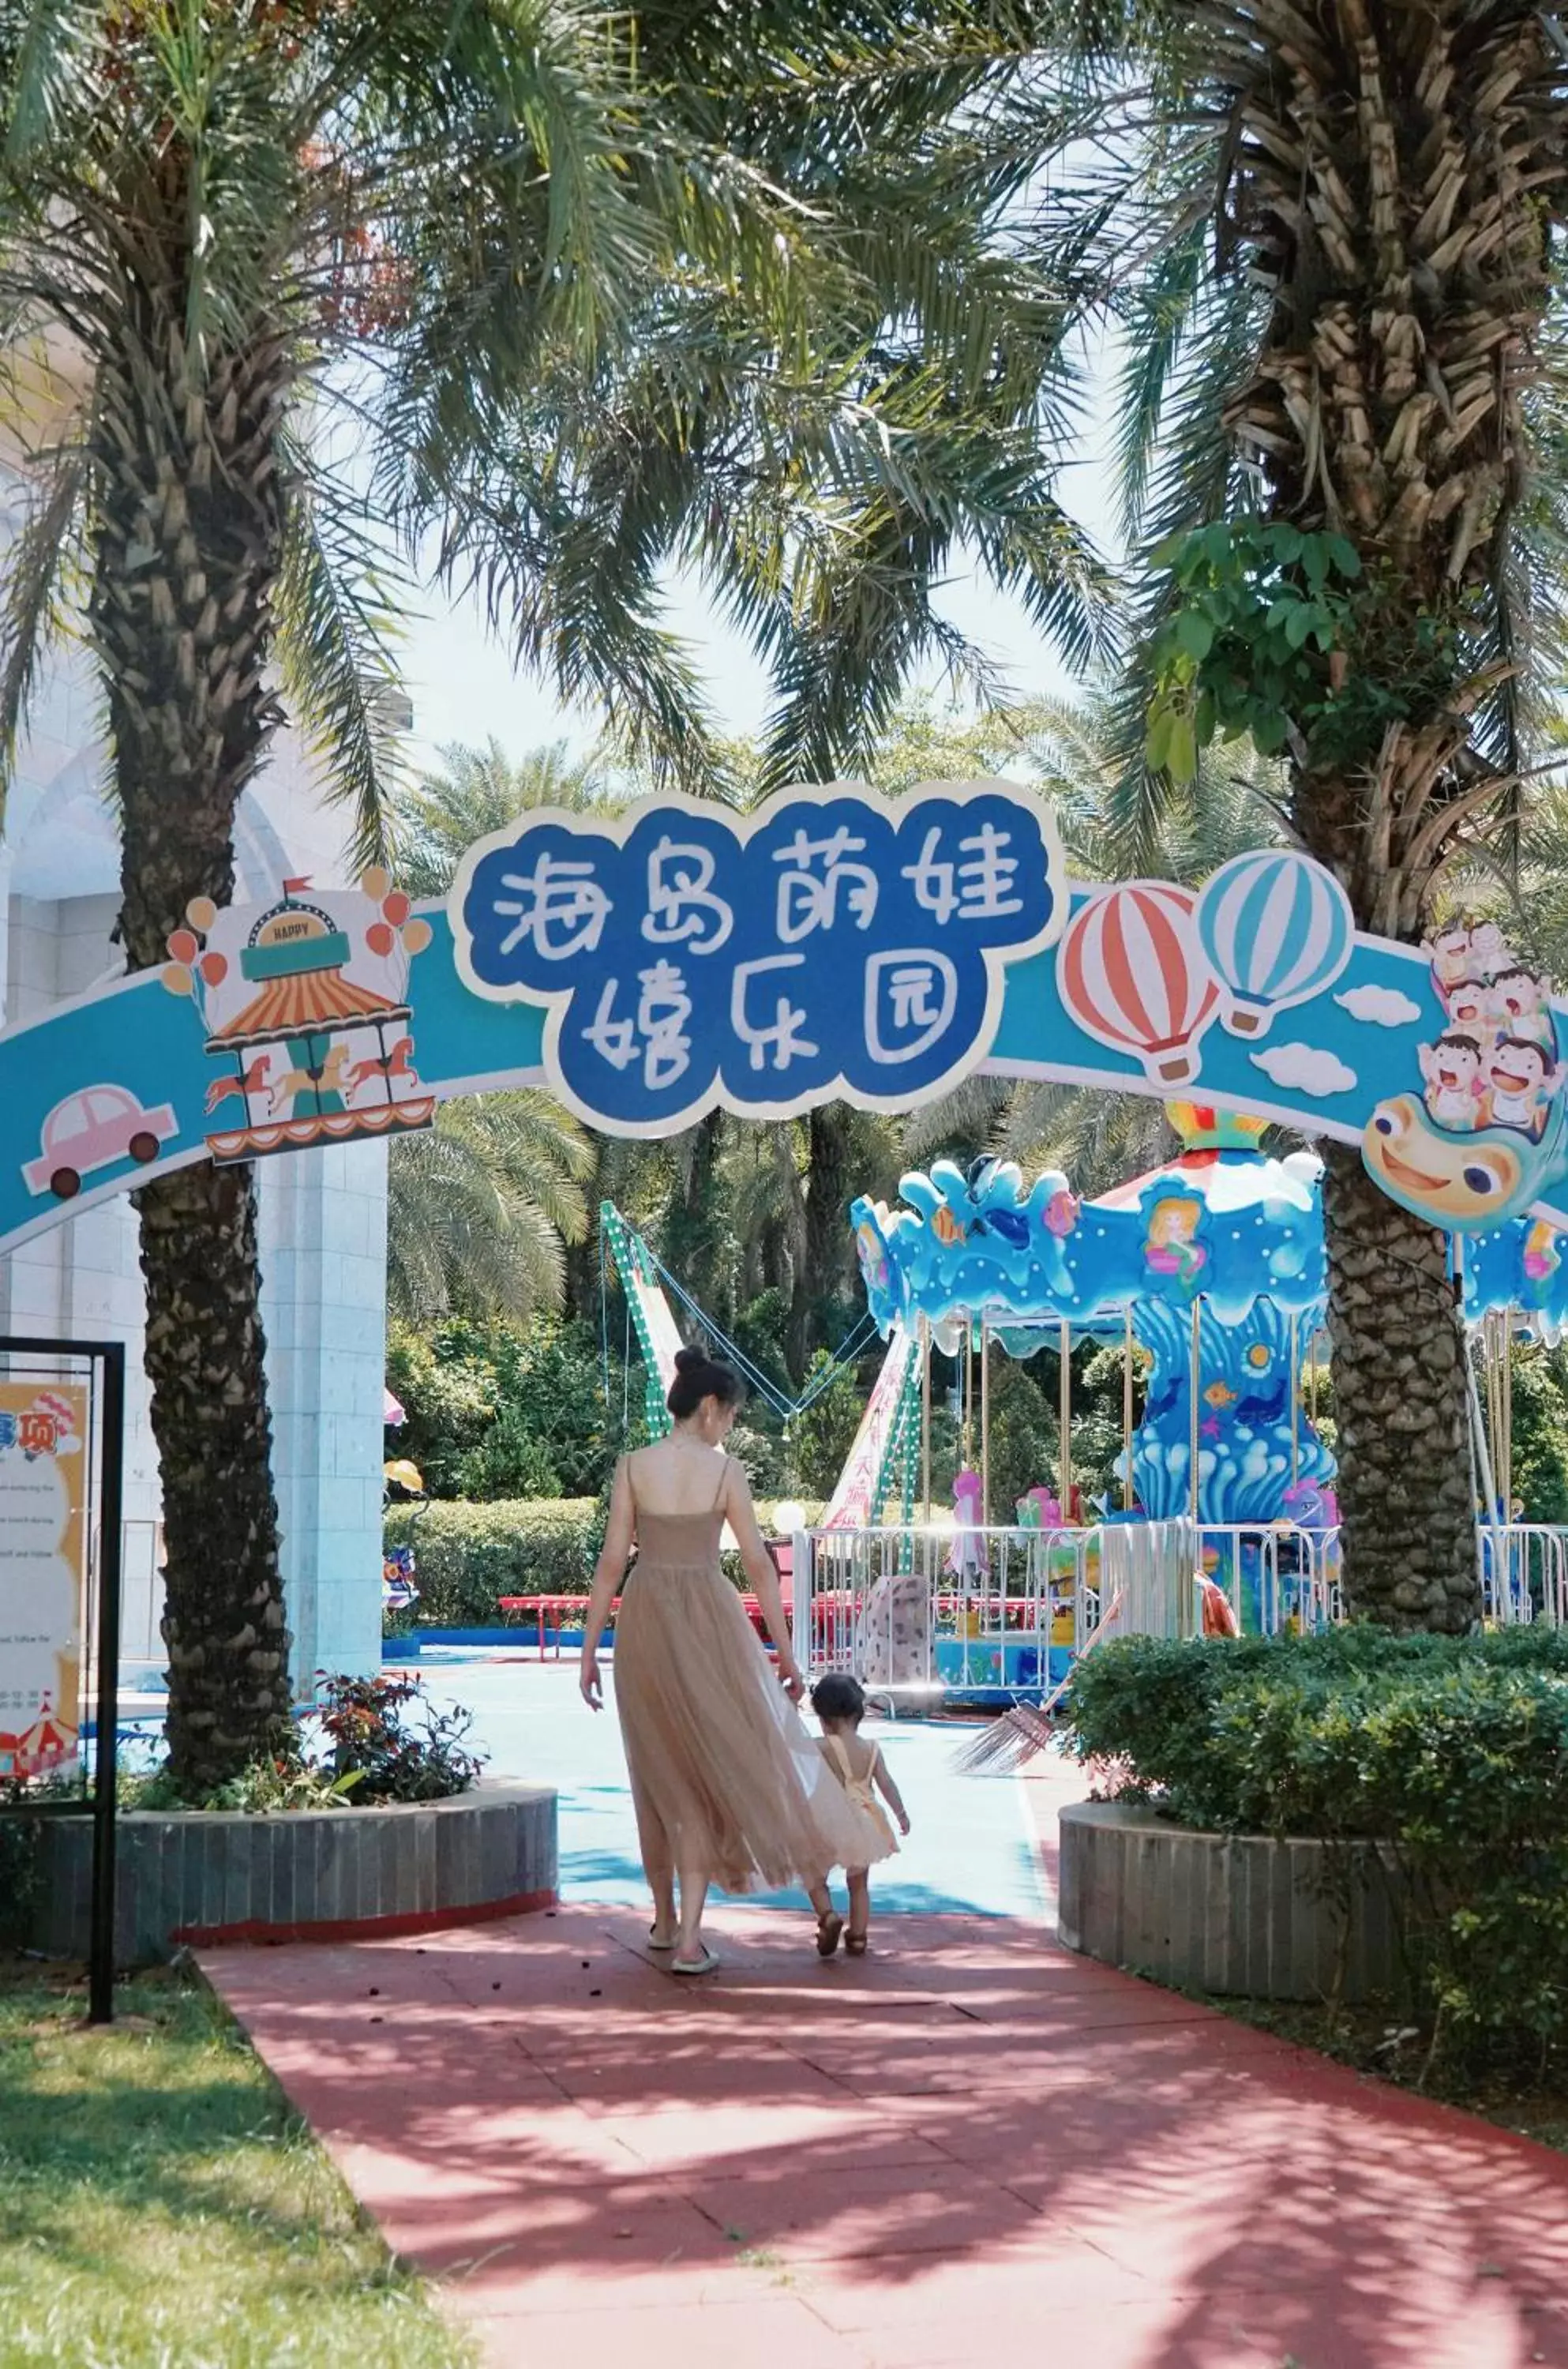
(723, 1770)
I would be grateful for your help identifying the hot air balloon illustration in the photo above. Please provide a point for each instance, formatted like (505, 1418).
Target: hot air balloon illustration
(1132, 975)
(1276, 929)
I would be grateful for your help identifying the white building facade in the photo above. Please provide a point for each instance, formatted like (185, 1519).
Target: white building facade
(323, 1213)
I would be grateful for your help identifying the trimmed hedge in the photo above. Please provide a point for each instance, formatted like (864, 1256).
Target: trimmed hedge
(467, 1556)
(1454, 1751)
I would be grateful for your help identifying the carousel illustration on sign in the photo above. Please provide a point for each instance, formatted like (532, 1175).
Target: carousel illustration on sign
(42, 1564)
(307, 1015)
(1480, 1140)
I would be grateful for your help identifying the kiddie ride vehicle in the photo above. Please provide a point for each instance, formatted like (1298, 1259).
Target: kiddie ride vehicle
(402, 1485)
(93, 1129)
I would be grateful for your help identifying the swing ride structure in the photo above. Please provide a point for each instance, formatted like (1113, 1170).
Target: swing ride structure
(1208, 1273)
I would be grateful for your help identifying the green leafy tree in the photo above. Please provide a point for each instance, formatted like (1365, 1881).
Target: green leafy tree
(492, 1413)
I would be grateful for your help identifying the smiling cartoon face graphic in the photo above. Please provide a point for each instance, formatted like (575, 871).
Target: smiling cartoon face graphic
(1461, 1181)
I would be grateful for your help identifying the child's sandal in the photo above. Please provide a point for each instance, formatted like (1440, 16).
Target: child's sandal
(828, 1928)
(854, 1945)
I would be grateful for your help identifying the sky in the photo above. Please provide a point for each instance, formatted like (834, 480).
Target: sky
(463, 686)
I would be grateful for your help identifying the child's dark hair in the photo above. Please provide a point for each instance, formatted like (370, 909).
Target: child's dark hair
(838, 1696)
(700, 1377)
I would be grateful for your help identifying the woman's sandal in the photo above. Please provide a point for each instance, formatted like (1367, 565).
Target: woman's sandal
(854, 1945)
(707, 1964)
(828, 1928)
(656, 1944)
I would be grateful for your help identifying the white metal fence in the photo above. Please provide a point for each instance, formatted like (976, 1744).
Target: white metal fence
(887, 1604)
(1524, 1572)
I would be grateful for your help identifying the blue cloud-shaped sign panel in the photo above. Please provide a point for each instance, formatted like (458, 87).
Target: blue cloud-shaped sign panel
(835, 945)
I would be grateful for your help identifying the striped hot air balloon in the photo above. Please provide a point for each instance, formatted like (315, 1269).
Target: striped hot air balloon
(1276, 929)
(1132, 974)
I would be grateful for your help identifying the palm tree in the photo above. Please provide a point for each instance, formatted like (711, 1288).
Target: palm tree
(479, 791)
(480, 1207)
(1334, 234)
(576, 293)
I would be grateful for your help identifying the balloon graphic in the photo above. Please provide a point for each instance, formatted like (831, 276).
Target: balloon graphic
(201, 913)
(1131, 975)
(182, 946)
(375, 882)
(1276, 929)
(175, 977)
(214, 968)
(395, 908)
(380, 938)
(416, 935)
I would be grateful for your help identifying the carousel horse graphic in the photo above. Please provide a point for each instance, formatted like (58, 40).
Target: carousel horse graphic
(398, 1063)
(252, 1080)
(327, 1080)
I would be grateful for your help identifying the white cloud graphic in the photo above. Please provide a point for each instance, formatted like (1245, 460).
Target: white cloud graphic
(1382, 1007)
(1305, 1069)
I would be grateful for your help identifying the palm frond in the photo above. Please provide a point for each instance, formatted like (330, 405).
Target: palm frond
(337, 620)
(480, 1205)
(44, 576)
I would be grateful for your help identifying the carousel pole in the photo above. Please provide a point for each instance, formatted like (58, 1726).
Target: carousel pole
(1295, 1402)
(1494, 1409)
(968, 1395)
(1507, 1418)
(1193, 1380)
(925, 1415)
(1126, 1409)
(985, 1423)
(1064, 1419)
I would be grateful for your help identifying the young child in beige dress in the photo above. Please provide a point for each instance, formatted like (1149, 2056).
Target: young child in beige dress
(840, 1703)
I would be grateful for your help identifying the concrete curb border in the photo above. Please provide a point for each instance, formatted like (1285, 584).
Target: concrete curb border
(204, 1876)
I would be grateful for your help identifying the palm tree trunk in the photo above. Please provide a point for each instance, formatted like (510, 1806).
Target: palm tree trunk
(829, 1188)
(1401, 1406)
(189, 533)
(223, 1619)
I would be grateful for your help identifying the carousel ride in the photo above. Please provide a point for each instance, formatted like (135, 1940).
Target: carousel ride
(1209, 1274)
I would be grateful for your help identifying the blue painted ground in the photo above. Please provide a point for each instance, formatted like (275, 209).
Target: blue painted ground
(970, 1847)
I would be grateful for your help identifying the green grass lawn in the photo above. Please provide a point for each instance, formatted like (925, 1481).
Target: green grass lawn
(162, 2208)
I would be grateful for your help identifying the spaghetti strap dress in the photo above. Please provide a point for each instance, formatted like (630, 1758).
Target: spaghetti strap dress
(723, 1768)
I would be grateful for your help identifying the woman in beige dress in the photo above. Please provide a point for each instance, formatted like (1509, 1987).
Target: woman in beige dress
(729, 1786)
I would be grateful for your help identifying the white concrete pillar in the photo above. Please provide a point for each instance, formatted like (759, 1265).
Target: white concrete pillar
(324, 1303)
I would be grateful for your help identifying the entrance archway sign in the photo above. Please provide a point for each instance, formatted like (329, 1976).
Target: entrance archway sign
(834, 945)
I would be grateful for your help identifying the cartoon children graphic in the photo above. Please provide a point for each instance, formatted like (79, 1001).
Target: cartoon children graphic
(1521, 1079)
(1470, 1008)
(1520, 1004)
(1449, 955)
(1490, 952)
(1170, 1247)
(1454, 1083)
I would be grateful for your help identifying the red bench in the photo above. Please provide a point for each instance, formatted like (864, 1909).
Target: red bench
(548, 1610)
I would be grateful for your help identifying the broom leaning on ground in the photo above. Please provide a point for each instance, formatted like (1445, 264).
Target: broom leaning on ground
(1021, 1733)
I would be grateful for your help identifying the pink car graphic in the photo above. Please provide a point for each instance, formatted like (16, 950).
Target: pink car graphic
(93, 1129)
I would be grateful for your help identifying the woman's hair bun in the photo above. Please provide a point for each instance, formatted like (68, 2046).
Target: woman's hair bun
(700, 1377)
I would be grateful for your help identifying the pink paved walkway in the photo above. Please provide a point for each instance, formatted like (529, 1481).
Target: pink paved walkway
(971, 2148)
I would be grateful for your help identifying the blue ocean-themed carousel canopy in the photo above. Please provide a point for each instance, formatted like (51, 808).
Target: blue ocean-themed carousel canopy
(1223, 1222)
